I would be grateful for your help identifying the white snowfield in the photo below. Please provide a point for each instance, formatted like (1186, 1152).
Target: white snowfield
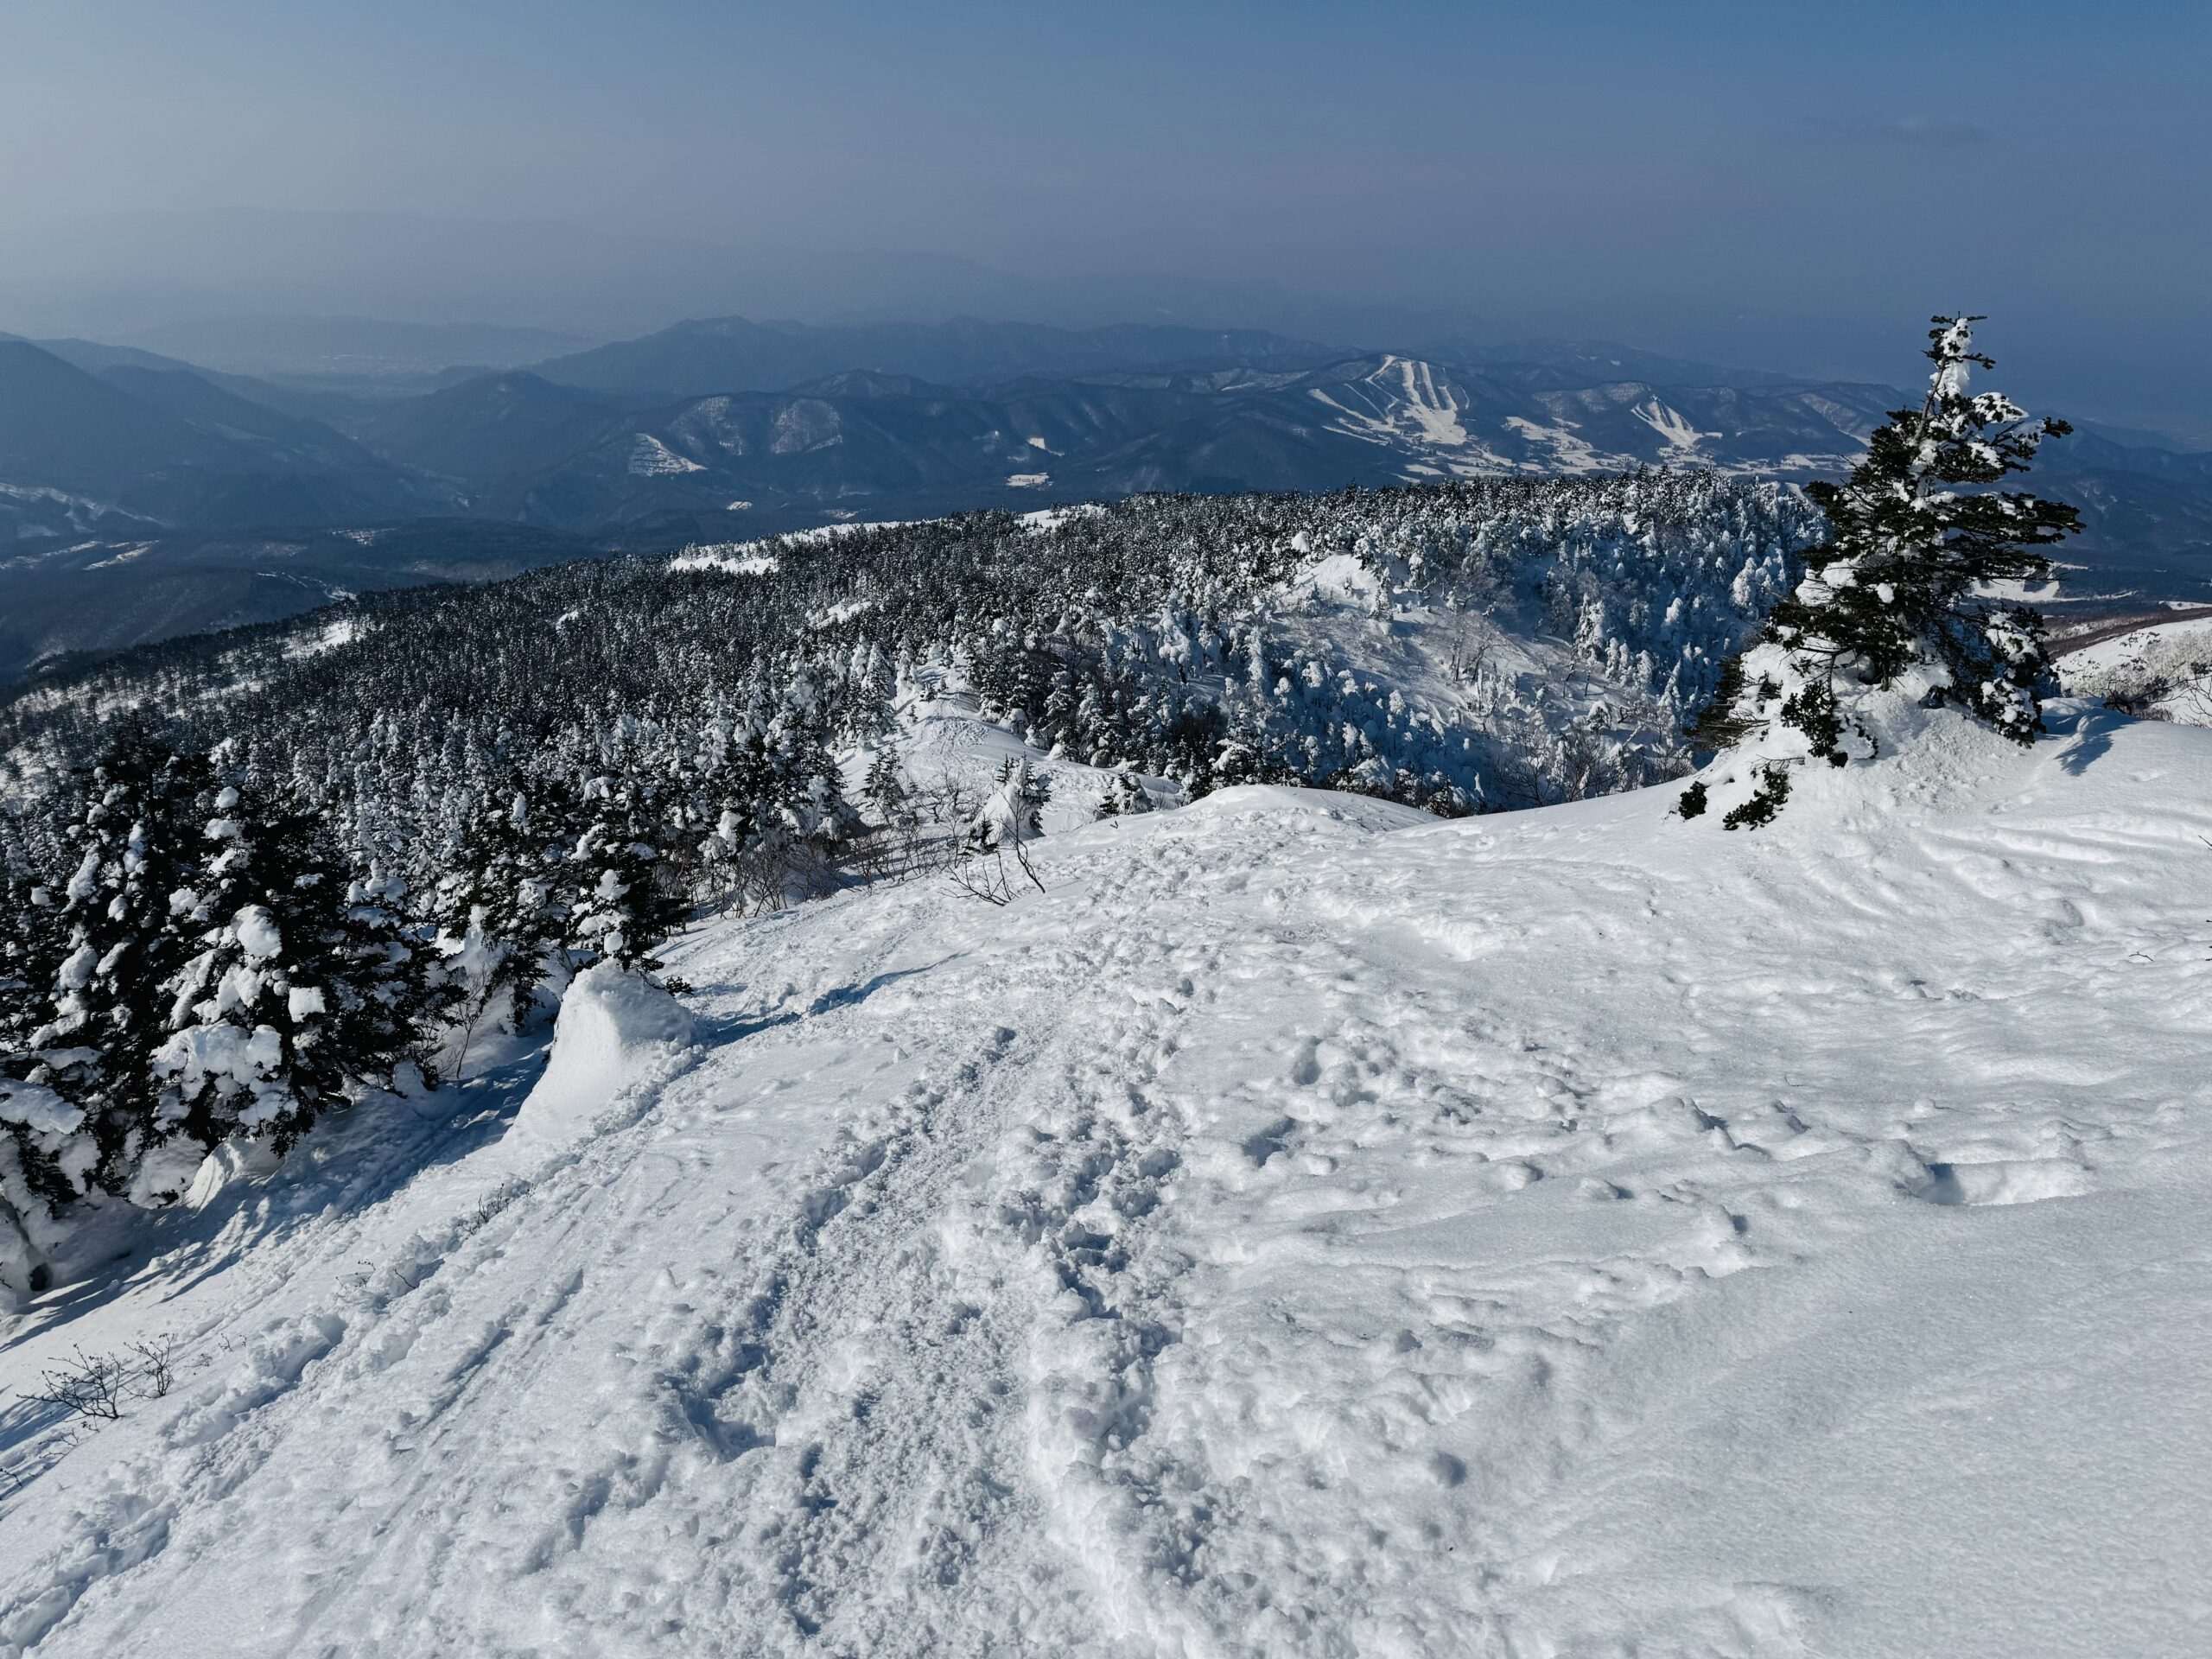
(1308, 1228)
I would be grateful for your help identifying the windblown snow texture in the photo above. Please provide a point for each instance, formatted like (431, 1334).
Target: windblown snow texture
(1308, 1228)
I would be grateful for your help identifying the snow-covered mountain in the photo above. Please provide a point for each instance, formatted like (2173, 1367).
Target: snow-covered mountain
(522, 445)
(1305, 1227)
(1472, 424)
(136, 442)
(728, 430)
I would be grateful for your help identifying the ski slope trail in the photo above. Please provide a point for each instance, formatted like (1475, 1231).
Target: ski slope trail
(1307, 1228)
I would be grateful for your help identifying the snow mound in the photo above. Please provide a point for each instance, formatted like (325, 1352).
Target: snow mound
(616, 1033)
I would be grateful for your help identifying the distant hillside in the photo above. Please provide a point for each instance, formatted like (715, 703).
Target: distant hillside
(877, 443)
(735, 354)
(134, 443)
(102, 595)
(356, 351)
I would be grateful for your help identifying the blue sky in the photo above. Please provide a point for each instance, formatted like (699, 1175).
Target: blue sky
(1746, 181)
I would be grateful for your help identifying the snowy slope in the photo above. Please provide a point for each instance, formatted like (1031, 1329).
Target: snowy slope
(1310, 1227)
(2164, 669)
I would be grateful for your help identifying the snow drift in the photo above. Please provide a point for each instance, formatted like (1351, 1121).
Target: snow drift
(616, 1034)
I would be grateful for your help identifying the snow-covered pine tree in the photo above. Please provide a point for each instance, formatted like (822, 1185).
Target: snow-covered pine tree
(1002, 826)
(45, 1162)
(108, 1003)
(1917, 536)
(496, 919)
(1124, 794)
(392, 998)
(1027, 792)
(31, 951)
(287, 1001)
(883, 788)
(622, 911)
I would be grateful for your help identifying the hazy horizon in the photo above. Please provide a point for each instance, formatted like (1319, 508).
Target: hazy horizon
(1795, 192)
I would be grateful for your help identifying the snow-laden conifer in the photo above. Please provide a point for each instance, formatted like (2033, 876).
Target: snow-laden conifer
(1912, 580)
(119, 942)
(622, 909)
(394, 995)
(495, 913)
(295, 991)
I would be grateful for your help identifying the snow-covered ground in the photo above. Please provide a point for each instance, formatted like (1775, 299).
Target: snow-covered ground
(2166, 667)
(1308, 1228)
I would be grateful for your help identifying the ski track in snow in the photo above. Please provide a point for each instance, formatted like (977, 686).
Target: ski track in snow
(1309, 1229)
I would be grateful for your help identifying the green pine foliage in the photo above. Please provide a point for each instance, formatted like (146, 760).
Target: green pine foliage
(1766, 800)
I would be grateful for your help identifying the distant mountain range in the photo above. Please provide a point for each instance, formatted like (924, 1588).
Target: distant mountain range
(733, 354)
(358, 353)
(116, 462)
(93, 440)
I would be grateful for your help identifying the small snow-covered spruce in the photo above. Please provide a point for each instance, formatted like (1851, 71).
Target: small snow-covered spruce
(1124, 794)
(288, 999)
(496, 919)
(883, 788)
(1001, 829)
(1918, 536)
(1031, 792)
(108, 975)
(623, 908)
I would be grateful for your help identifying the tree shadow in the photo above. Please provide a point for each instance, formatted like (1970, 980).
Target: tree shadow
(2089, 746)
(843, 996)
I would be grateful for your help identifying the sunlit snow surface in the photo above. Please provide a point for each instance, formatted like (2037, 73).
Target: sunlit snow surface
(2166, 665)
(1308, 1228)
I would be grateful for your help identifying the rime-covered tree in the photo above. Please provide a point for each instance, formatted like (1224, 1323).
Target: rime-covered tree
(392, 995)
(883, 787)
(1026, 792)
(46, 1160)
(622, 910)
(995, 845)
(120, 944)
(495, 913)
(31, 951)
(289, 997)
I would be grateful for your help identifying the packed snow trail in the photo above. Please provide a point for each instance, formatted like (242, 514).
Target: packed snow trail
(1309, 1228)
